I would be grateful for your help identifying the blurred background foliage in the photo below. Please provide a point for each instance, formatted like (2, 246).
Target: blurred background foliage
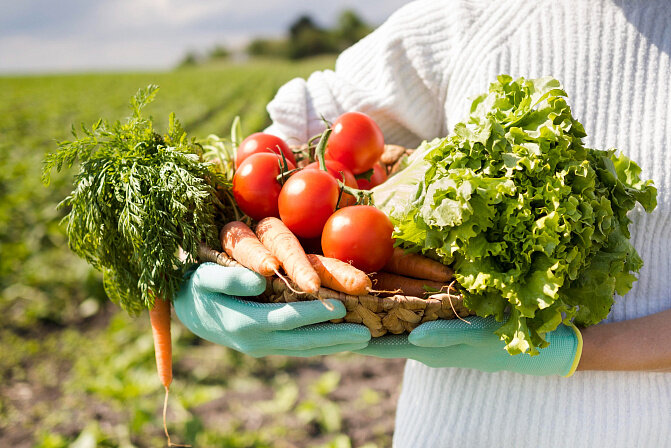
(304, 38)
(76, 370)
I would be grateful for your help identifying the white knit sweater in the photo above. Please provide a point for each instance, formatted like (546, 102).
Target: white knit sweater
(415, 75)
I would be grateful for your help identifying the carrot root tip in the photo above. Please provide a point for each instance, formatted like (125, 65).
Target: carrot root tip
(286, 282)
(382, 291)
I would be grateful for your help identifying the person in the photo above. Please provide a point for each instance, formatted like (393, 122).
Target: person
(414, 75)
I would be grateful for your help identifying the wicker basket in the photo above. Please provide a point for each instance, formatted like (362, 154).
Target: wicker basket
(394, 314)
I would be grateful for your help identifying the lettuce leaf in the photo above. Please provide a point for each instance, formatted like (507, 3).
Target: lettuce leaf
(534, 223)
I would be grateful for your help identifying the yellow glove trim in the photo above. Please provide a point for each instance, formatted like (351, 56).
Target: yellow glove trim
(578, 351)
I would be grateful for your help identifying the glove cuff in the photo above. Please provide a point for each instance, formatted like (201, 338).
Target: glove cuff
(561, 358)
(578, 351)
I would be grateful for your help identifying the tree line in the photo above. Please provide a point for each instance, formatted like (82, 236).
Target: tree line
(304, 38)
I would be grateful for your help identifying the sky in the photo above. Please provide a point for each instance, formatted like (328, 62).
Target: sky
(39, 36)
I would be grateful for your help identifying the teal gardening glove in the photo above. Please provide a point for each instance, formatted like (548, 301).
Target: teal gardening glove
(207, 304)
(455, 343)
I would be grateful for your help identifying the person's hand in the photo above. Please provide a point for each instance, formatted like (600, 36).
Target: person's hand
(207, 305)
(455, 343)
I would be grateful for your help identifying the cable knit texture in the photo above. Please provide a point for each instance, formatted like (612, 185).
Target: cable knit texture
(415, 75)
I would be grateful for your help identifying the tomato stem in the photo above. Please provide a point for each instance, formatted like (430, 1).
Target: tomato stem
(284, 165)
(313, 139)
(284, 168)
(340, 190)
(365, 175)
(280, 177)
(321, 149)
(342, 176)
(360, 195)
(326, 122)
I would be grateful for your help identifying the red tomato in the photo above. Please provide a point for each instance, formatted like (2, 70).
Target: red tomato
(379, 175)
(307, 200)
(335, 168)
(356, 142)
(360, 235)
(260, 143)
(255, 185)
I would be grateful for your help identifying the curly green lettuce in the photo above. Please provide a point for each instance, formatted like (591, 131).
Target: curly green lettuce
(534, 223)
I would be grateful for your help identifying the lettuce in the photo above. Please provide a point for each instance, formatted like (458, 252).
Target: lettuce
(534, 223)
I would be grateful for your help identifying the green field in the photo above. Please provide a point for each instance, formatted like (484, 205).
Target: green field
(76, 371)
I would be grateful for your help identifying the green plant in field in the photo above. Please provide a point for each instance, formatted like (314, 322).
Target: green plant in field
(318, 408)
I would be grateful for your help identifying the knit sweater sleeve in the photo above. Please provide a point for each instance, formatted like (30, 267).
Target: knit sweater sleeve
(397, 75)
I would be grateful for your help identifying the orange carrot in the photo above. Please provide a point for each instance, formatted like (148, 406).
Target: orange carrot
(417, 266)
(398, 284)
(340, 276)
(159, 316)
(284, 245)
(160, 327)
(239, 242)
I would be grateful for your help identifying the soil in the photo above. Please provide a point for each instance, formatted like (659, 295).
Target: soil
(366, 396)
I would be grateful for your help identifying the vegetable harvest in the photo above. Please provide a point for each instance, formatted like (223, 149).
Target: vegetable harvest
(137, 199)
(531, 224)
(534, 223)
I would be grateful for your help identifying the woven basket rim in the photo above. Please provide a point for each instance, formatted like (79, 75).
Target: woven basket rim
(394, 314)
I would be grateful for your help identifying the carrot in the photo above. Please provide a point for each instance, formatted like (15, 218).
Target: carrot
(388, 282)
(279, 240)
(239, 242)
(159, 316)
(206, 253)
(160, 327)
(417, 266)
(340, 276)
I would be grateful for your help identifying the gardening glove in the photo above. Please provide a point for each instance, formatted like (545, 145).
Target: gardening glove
(207, 304)
(455, 343)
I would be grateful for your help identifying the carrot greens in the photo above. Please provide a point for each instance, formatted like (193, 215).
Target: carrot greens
(138, 197)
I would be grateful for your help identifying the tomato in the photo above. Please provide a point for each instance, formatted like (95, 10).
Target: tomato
(379, 175)
(360, 235)
(260, 143)
(255, 185)
(356, 142)
(307, 200)
(335, 169)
